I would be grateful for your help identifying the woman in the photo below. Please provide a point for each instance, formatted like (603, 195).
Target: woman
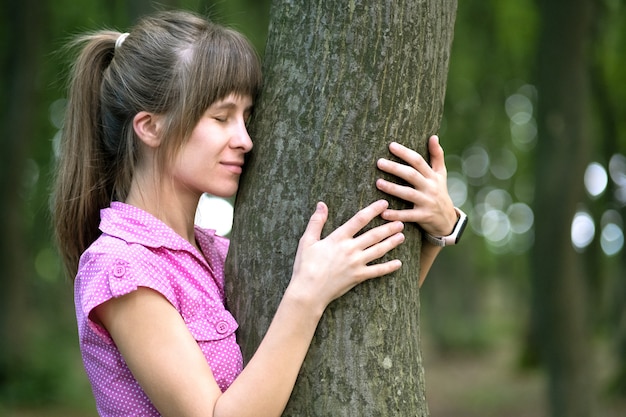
(155, 119)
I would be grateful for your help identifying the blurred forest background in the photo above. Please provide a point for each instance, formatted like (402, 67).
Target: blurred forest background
(525, 318)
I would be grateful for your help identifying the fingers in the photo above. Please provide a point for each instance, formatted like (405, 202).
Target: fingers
(404, 216)
(377, 243)
(381, 248)
(415, 161)
(313, 232)
(437, 160)
(361, 218)
(384, 268)
(414, 172)
(325, 269)
(401, 191)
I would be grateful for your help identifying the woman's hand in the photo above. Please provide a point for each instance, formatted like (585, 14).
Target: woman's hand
(325, 269)
(432, 208)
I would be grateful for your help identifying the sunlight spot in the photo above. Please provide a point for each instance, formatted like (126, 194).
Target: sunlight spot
(498, 199)
(617, 169)
(215, 213)
(476, 217)
(475, 162)
(524, 136)
(457, 188)
(519, 108)
(583, 230)
(57, 112)
(612, 239)
(596, 179)
(496, 227)
(505, 165)
(521, 217)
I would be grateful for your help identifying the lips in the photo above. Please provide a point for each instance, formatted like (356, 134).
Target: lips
(236, 167)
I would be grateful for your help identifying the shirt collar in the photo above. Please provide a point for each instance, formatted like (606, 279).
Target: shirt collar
(135, 225)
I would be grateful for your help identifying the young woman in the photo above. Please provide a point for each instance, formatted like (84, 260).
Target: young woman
(155, 119)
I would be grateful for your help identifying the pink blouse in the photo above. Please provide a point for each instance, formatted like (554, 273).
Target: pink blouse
(136, 249)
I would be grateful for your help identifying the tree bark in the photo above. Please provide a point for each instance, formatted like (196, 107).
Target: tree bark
(559, 285)
(342, 80)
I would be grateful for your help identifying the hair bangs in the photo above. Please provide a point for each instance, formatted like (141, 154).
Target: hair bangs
(224, 63)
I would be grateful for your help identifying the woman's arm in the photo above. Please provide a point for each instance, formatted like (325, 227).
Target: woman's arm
(432, 208)
(428, 255)
(170, 367)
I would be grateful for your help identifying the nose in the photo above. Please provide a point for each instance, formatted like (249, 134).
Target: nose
(242, 138)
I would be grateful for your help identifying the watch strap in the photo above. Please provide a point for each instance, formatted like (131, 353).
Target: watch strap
(455, 236)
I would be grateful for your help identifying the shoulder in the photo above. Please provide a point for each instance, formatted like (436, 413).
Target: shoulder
(108, 253)
(112, 267)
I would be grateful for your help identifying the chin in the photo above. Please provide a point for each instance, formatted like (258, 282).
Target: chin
(224, 193)
(227, 190)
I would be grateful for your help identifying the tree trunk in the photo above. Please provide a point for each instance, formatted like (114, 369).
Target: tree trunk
(560, 293)
(342, 80)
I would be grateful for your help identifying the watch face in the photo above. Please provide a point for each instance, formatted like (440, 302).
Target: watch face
(460, 227)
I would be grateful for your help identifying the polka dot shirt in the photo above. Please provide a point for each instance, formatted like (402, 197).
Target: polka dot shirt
(136, 249)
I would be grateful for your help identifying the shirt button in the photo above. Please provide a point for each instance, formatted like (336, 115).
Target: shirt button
(119, 271)
(221, 327)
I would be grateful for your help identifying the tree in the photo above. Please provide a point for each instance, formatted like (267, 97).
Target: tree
(341, 81)
(560, 293)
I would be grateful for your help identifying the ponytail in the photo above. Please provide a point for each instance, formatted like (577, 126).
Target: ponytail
(84, 182)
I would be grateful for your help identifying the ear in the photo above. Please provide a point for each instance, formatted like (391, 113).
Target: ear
(147, 127)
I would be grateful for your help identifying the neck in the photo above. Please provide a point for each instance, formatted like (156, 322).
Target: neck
(175, 209)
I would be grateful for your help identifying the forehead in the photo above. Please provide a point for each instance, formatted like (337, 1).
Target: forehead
(233, 101)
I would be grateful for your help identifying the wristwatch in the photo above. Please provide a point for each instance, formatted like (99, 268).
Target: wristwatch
(455, 236)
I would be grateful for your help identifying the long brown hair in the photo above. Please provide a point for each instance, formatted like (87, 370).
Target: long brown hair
(172, 63)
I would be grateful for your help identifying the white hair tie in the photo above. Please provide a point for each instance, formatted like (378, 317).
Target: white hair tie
(120, 40)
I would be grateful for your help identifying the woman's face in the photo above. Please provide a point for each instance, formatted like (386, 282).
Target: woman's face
(211, 161)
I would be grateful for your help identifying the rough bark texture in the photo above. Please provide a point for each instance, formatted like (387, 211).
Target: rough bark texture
(560, 293)
(342, 80)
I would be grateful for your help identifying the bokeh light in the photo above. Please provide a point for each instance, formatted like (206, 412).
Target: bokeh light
(504, 165)
(583, 230)
(521, 217)
(457, 188)
(596, 179)
(612, 239)
(612, 235)
(496, 227)
(215, 213)
(475, 163)
(617, 171)
(519, 108)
